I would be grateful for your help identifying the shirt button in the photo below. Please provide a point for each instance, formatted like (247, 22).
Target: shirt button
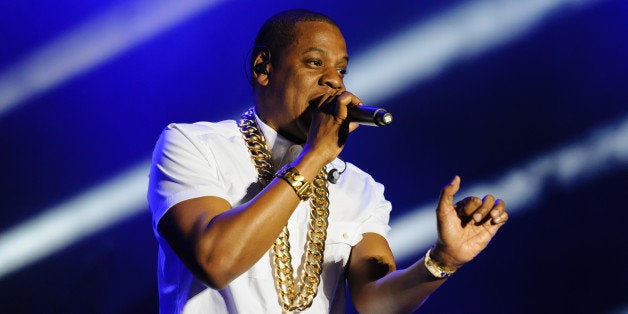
(345, 236)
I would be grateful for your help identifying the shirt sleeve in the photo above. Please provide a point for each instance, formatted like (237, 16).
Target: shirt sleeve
(359, 207)
(182, 168)
(377, 217)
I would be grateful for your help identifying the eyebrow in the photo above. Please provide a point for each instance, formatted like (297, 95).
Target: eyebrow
(346, 58)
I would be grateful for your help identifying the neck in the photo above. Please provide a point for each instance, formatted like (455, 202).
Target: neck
(291, 137)
(282, 129)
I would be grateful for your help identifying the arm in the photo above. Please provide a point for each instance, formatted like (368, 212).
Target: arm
(376, 286)
(217, 242)
(464, 229)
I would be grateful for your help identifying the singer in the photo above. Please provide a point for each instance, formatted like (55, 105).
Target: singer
(247, 220)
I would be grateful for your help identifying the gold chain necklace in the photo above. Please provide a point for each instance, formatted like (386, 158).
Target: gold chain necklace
(293, 297)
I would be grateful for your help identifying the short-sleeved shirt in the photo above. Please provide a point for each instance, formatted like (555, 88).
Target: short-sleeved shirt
(211, 159)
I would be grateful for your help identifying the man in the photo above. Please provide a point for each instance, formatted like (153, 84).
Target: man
(231, 201)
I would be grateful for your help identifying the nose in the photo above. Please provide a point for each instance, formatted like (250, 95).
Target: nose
(332, 79)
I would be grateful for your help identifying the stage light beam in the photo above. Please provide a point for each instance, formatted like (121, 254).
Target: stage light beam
(91, 44)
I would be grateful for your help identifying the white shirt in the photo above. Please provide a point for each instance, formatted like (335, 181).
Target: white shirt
(211, 159)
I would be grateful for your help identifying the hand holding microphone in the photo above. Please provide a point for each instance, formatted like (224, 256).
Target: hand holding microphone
(365, 115)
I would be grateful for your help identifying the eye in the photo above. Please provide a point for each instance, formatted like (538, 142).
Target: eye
(315, 62)
(342, 71)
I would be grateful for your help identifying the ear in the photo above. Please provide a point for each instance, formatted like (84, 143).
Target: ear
(261, 68)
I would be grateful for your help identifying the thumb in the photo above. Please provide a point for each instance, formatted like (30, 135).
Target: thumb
(446, 201)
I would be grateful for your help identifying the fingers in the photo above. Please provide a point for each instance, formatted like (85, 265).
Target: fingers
(324, 103)
(348, 99)
(482, 210)
(446, 199)
(335, 103)
(343, 100)
(329, 119)
(499, 214)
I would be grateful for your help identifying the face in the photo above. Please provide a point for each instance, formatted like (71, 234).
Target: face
(309, 70)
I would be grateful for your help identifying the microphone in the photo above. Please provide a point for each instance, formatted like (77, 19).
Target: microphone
(371, 116)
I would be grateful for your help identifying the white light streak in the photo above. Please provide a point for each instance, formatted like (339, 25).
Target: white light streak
(91, 44)
(620, 310)
(426, 48)
(62, 225)
(604, 149)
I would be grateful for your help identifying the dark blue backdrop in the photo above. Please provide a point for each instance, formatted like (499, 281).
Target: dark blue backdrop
(481, 116)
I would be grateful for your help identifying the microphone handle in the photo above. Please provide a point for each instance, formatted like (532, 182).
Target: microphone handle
(371, 116)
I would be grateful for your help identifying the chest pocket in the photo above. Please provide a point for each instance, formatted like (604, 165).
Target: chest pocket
(341, 237)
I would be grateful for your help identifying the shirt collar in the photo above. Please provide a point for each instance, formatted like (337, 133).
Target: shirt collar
(278, 144)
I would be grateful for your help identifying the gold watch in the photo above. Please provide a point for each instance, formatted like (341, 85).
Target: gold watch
(435, 269)
(296, 180)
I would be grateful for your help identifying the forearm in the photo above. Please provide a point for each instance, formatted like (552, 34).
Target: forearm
(401, 291)
(464, 229)
(234, 240)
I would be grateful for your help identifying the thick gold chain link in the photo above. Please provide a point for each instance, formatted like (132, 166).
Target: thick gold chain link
(300, 296)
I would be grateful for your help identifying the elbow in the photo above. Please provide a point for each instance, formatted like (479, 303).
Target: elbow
(217, 272)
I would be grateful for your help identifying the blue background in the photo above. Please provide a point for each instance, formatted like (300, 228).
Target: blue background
(565, 250)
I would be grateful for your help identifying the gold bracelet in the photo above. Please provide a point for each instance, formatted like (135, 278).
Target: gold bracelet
(301, 186)
(435, 269)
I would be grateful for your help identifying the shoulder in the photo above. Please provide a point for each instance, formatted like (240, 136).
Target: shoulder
(202, 130)
(201, 135)
(359, 190)
(209, 140)
(356, 178)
